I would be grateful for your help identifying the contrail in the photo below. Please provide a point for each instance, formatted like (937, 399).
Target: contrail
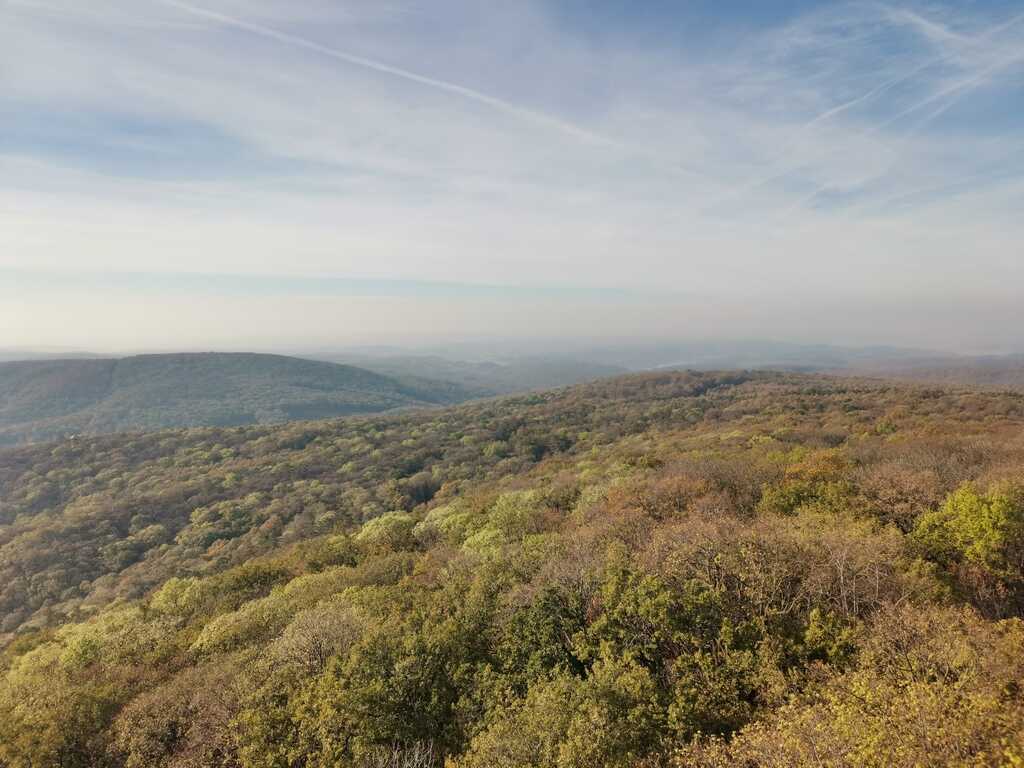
(387, 69)
(878, 89)
(522, 113)
(957, 91)
(779, 163)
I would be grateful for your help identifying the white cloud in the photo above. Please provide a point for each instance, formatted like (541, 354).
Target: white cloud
(835, 154)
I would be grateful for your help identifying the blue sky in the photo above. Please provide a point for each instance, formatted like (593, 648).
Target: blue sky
(376, 171)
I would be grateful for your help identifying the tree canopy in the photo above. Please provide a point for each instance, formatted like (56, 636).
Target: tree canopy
(661, 571)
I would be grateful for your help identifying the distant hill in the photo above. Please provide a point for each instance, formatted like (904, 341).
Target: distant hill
(1001, 372)
(486, 378)
(748, 355)
(45, 399)
(11, 354)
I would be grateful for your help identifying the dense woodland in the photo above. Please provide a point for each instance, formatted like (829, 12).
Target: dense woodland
(483, 378)
(51, 399)
(994, 373)
(656, 571)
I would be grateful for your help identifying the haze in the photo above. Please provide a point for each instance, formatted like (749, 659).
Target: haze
(248, 174)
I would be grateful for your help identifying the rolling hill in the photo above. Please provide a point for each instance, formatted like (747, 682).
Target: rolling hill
(983, 372)
(667, 570)
(46, 399)
(486, 378)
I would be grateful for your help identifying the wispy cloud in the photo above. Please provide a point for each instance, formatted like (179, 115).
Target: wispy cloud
(376, 66)
(862, 147)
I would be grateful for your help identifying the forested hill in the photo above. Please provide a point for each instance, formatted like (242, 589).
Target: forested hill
(90, 520)
(488, 378)
(670, 570)
(42, 400)
(992, 372)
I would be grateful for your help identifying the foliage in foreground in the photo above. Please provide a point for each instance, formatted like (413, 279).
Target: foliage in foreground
(810, 573)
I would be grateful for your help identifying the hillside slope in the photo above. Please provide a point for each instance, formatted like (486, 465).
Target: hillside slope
(487, 378)
(1004, 372)
(89, 520)
(45, 399)
(671, 570)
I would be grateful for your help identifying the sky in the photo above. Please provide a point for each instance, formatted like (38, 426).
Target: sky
(181, 174)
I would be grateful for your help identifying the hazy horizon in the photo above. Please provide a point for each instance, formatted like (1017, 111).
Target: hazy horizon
(269, 175)
(626, 353)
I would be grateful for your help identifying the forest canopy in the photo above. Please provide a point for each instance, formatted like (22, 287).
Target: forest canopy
(657, 571)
